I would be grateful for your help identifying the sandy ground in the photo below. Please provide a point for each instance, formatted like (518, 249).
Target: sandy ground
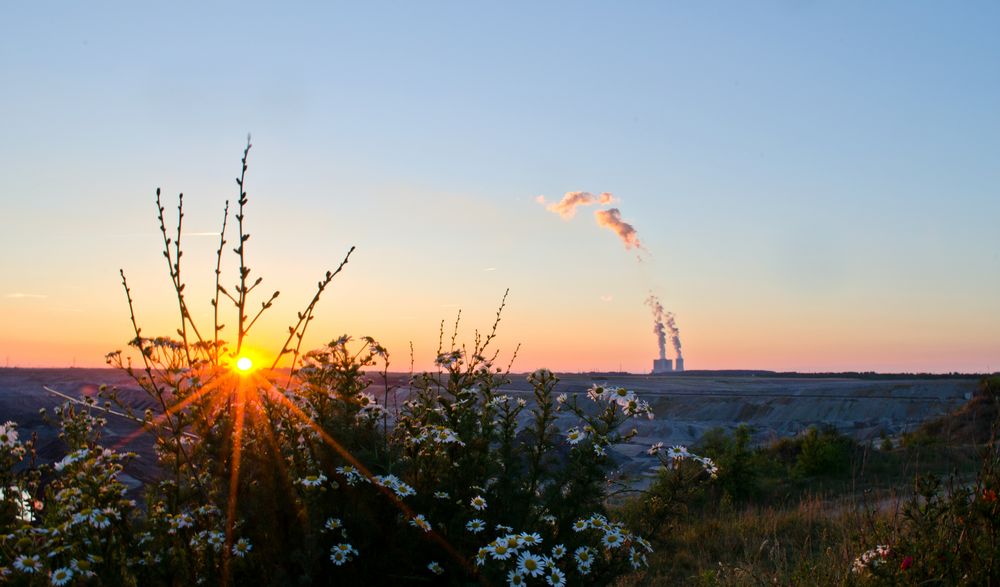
(685, 407)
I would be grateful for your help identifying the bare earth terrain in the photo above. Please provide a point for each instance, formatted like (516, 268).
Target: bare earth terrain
(685, 406)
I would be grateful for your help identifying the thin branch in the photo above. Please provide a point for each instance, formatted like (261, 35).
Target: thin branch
(174, 426)
(241, 289)
(218, 287)
(306, 316)
(174, 267)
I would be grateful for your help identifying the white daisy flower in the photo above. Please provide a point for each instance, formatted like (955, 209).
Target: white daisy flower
(216, 540)
(242, 547)
(500, 551)
(475, 526)
(583, 556)
(419, 521)
(481, 556)
(342, 553)
(28, 564)
(81, 567)
(70, 459)
(529, 564)
(622, 396)
(580, 525)
(512, 541)
(395, 484)
(558, 551)
(8, 434)
(555, 577)
(515, 578)
(598, 521)
(333, 523)
(351, 474)
(441, 494)
(613, 539)
(312, 480)
(99, 519)
(61, 576)
(677, 452)
(574, 435)
(655, 448)
(338, 558)
(530, 539)
(637, 558)
(478, 503)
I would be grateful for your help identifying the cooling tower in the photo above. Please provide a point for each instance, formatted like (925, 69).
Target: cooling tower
(662, 366)
(680, 364)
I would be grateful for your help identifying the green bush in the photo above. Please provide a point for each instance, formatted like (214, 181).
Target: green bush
(739, 468)
(824, 453)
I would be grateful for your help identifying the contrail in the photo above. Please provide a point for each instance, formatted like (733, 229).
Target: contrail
(566, 207)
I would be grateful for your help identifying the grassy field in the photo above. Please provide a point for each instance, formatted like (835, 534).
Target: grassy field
(775, 518)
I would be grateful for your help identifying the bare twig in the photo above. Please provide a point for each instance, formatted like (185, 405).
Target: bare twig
(306, 316)
(218, 287)
(241, 289)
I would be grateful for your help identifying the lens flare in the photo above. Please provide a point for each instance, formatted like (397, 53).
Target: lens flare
(244, 364)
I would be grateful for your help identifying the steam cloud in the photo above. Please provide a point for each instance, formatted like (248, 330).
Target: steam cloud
(612, 220)
(664, 326)
(566, 207)
(664, 323)
(658, 329)
(674, 334)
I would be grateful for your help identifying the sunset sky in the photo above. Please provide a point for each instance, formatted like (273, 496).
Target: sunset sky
(816, 185)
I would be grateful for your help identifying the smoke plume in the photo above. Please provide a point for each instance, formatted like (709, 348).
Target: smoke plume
(664, 326)
(566, 207)
(658, 329)
(674, 334)
(612, 220)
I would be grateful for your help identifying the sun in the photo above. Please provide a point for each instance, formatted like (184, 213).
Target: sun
(244, 364)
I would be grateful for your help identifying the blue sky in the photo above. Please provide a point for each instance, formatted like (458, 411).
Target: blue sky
(816, 183)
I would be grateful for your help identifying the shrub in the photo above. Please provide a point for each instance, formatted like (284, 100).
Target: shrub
(948, 535)
(303, 476)
(824, 453)
(738, 475)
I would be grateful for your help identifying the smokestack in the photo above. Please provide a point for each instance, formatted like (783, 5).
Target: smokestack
(680, 364)
(662, 366)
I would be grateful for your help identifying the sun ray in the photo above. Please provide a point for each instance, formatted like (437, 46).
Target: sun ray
(159, 419)
(393, 498)
(234, 478)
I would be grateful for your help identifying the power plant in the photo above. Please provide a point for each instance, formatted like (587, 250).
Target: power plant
(664, 365)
